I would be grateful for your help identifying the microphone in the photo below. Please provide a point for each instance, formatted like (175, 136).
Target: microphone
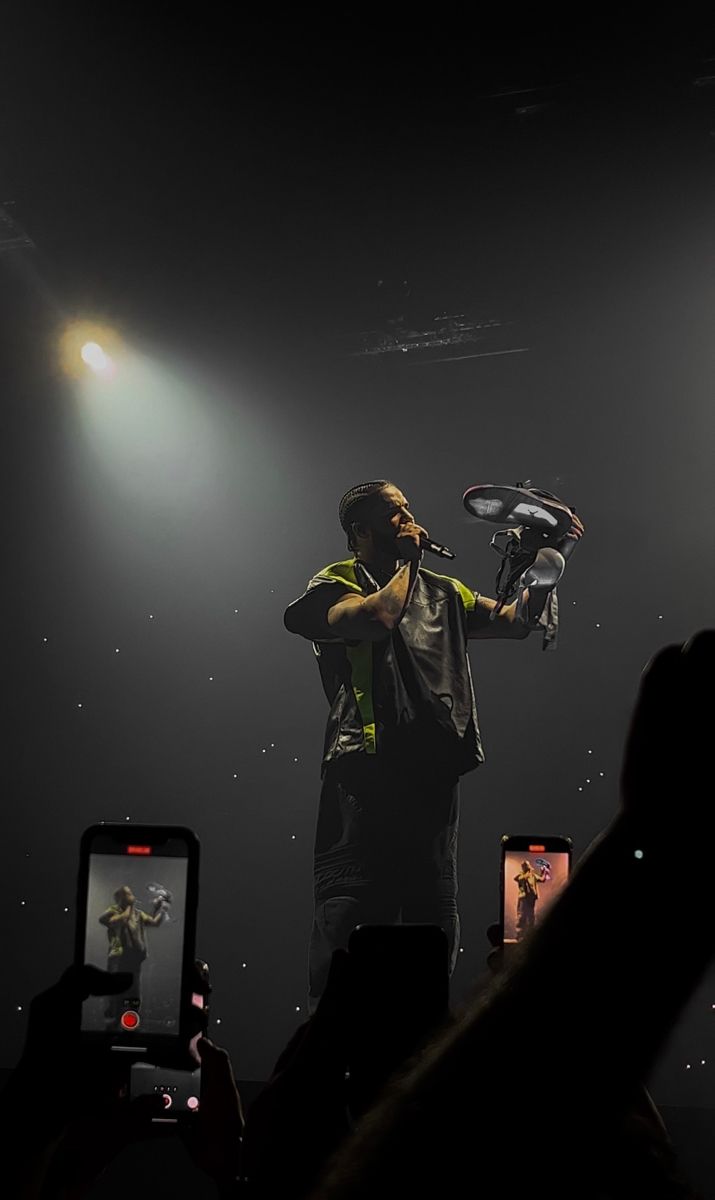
(436, 548)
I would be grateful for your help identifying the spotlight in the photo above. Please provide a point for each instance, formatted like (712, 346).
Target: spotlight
(89, 344)
(93, 355)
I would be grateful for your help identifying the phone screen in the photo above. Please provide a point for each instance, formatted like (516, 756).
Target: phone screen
(136, 920)
(533, 876)
(181, 1090)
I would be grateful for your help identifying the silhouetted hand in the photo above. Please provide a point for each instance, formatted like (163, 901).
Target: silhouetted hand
(55, 1082)
(668, 752)
(52, 1042)
(300, 1117)
(74, 1131)
(213, 1138)
(495, 957)
(640, 1151)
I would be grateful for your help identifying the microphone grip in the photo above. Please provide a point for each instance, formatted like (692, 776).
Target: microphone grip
(436, 548)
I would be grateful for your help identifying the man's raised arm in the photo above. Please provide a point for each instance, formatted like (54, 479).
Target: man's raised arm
(325, 614)
(504, 625)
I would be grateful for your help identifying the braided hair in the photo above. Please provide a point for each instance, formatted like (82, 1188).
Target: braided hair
(353, 503)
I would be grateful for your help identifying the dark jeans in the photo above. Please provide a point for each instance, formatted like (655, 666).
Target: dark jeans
(525, 915)
(116, 1004)
(385, 851)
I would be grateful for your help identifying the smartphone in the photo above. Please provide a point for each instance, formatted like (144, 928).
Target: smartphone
(181, 1090)
(137, 900)
(399, 997)
(533, 872)
(180, 1087)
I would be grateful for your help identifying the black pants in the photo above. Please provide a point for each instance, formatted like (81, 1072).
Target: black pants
(525, 915)
(385, 851)
(116, 1004)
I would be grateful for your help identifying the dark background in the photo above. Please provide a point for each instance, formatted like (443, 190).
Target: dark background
(228, 197)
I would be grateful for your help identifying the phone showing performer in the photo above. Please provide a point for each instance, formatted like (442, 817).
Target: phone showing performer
(136, 913)
(533, 872)
(399, 996)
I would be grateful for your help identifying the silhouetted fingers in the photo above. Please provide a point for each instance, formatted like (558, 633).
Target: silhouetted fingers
(651, 727)
(495, 960)
(217, 1077)
(668, 746)
(83, 981)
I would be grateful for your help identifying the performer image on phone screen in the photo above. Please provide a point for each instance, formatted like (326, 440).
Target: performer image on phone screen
(528, 883)
(126, 933)
(390, 639)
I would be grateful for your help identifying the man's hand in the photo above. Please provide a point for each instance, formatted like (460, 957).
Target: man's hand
(577, 529)
(407, 541)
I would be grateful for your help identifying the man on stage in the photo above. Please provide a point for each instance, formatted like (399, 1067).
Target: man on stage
(391, 642)
(127, 949)
(527, 882)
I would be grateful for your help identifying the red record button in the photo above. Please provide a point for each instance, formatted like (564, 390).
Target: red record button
(129, 1019)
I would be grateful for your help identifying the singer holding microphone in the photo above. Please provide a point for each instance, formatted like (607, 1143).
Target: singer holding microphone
(390, 638)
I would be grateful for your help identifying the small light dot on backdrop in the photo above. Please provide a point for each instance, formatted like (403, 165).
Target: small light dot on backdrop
(243, 964)
(218, 1020)
(22, 904)
(588, 781)
(263, 752)
(116, 650)
(598, 625)
(580, 789)
(211, 678)
(79, 706)
(295, 760)
(660, 618)
(235, 775)
(19, 1008)
(601, 773)
(637, 853)
(702, 1062)
(127, 818)
(151, 616)
(273, 745)
(589, 751)
(65, 909)
(44, 639)
(297, 1008)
